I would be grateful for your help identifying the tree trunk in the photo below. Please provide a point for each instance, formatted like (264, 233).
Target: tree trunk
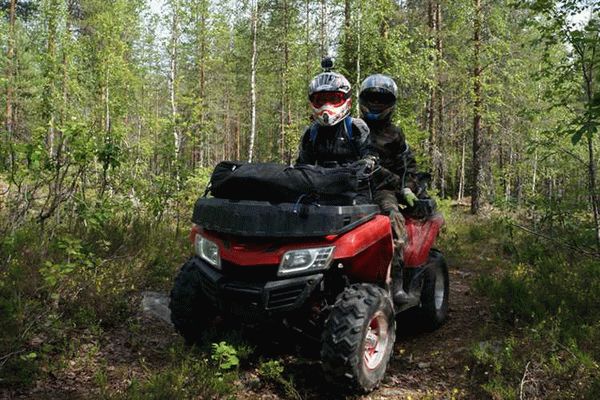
(307, 43)
(588, 71)
(323, 29)
(106, 102)
(10, 73)
(49, 98)
(435, 105)
(201, 83)
(440, 105)
(593, 189)
(284, 121)
(535, 167)
(432, 94)
(237, 138)
(461, 182)
(253, 80)
(358, 50)
(478, 172)
(173, 84)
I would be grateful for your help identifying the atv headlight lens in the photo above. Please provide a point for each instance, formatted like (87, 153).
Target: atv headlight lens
(303, 260)
(208, 251)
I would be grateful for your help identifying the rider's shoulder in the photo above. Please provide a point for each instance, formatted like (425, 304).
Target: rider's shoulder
(361, 125)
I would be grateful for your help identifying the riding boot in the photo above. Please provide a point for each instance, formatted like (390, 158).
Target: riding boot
(388, 203)
(398, 293)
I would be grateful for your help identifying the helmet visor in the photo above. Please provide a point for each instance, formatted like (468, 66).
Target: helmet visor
(377, 101)
(335, 99)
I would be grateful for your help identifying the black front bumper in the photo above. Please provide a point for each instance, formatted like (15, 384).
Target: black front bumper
(252, 299)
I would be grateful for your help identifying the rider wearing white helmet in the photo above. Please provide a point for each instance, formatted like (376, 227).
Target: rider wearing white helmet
(334, 137)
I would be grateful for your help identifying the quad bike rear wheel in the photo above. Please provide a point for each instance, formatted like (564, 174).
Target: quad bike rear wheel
(191, 313)
(358, 338)
(433, 311)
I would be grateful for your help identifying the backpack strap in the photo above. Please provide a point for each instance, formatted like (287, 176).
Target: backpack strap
(348, 126)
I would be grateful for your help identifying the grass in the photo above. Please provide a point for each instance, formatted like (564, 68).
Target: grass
(544, 301)
(53, 287)
(69, 308)
(69, 305)
(543, 341)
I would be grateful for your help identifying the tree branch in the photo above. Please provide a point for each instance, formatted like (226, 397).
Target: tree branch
(523, 381)
(586, 252)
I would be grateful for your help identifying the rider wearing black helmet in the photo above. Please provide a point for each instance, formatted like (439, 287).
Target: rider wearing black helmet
(377, 100)
(334, 137)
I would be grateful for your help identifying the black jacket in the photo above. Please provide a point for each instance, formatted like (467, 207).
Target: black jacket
(328, 145)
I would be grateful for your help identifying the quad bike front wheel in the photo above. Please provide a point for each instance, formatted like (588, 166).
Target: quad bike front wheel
(433, 311)
(191, 313)
(358, 338)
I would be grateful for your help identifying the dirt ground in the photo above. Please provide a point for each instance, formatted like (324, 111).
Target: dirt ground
(424, 365)
(436, 365)
(432, 365)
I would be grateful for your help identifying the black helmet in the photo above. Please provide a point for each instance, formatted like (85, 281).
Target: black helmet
(377, 98)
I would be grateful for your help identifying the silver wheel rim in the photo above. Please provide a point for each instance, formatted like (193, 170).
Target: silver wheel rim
(376, 341)
(440, 289)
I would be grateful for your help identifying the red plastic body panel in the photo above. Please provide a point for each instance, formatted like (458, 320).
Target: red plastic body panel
(421, 236)
(365, 251)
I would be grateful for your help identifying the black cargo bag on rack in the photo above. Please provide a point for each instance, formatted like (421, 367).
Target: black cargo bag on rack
(283, 184)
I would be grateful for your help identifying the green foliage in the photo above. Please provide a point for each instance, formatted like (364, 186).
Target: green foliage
(562, 290)
(547, 298)
(225, 356)
(52, 287)
(190, 377)
(271, 372)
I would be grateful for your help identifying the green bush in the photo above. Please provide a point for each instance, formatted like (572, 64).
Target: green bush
(191, 377)
(271, 372)
(67, 279)
(547, 299)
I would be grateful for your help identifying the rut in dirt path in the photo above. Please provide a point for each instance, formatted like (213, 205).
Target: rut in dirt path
(436, 364)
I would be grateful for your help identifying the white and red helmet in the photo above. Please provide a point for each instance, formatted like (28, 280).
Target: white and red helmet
(330, 98)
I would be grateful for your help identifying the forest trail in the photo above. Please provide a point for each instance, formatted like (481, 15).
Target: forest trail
(437, 365)
(432, 365)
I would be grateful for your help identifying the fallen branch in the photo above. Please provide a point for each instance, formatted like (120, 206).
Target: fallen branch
(6, 357)
(587, 252)
(523, 380)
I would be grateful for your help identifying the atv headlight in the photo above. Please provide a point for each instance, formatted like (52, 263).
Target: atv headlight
(296, 261)
(208, 251)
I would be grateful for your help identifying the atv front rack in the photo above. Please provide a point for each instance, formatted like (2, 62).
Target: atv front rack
(265, 219)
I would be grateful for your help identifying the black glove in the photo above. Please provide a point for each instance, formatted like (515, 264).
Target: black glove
(366, 164)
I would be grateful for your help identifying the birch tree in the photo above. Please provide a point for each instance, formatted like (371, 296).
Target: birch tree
(254, 22)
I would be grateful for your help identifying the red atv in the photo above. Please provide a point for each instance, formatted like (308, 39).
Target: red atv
(322, 270)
